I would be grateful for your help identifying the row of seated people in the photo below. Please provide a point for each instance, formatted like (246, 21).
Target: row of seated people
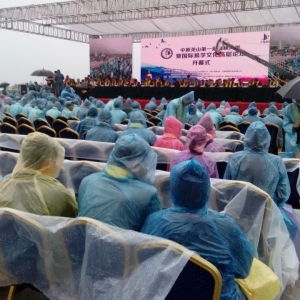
(130, 169)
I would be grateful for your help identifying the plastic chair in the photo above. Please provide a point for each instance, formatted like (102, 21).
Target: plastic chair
(293, 169)
(19, 116)
(25, 129)
(8, 128)
(10, 121)
(243, 127)
(58, 125)
(155, 120)
(274, 132)
(227, 123)
(187, 126)
(39, 123)
(7, 163)
(86, 150)
(199, 279)
(229, 128)
(62, 118)
(47, 130)
(23, 120)
(68, 133)
(49, 120)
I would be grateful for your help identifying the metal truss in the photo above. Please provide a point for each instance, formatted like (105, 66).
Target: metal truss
(99, 11)
(45, 30)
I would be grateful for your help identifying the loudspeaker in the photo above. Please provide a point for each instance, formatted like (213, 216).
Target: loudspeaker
(22, 89)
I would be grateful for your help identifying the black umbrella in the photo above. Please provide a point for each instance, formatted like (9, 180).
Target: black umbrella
(291, 89)
(43, 73)
(4, 84)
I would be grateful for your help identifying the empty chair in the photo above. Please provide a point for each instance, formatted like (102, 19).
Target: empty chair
(274, 132)
(7, 163)
(24, 121)
(47, 130)
(58, 125)
(10, 121)
(40, 122)
(18, 116)
(25, 129)
(225, 123)
(68, 133)
(155, 120)
(8, 128)
(229, 128)
(243, 127)
(62, 118)
(49, 119)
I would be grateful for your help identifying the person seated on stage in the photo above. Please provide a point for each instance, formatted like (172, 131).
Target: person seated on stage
(137, 124)
(32, 186)
(55, 111)
(196, 83)
(118, 115)
(87, 123)
(256, 82)
(211, 145)
(82, 112)
(178, 108)
(176, 83)
(225, 83)
(151, 105)
(137, 107)
(206, 232)
(68, 110)
(122, 194)
(163, 101)
(66, 92)
(221, 107)
(103, 131)
(234, 116)
(149, 75)
(240, 83)
(172, 133)
(231, 82)
(195, 143)
(158, 82)
(38, 112)
(284, 105)
(192, 118)
(250, 83)
(167, 82)
(215, 116)
(252, 115)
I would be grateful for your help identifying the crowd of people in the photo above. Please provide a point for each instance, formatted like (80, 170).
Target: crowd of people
(123, 194)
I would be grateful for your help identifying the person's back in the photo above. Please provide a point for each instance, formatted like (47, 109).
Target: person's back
(172, 133)
(87, 123)
(234, 116)
(54, 112)
(215, 116)
(122, 194)
(82, 112)
(118, 115)
(257, 166)
(127, 106)
(137, 107)
(137, 125)
(273, 118)
(68, 110)
(163, 102)
(208, 233)
(32, 187)
(151, 105)
(38, 112)
(16, 108)
(252, 115)
(192, 118)
(284, 105)
(103, 131)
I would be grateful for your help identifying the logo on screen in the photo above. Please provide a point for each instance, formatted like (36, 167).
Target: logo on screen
(265, 38)
(166, 53)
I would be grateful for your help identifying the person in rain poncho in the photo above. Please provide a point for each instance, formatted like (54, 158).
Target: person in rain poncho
(66, 92)
(234, 116)
(103, 131)
(252, 104)
(7, 102)
(226, 110)
(192, 118)
(196, 141)
(16, 108)
(203, 107)
(172, 133)
(94, 102)
(151, 105)
(28, 107)
(163, 101)
(2, 116)
(68, 110)
(161, 114)
(221, 107)
(137, 125)
(127, 106)
(99, 105)
(211, 145)
(118, 115)
(284, 105)
(32, 186)
(210, 234)
(123, 193)
(110, 104)
(38, 112)
(87, 123)
(215, 116)
(291, 124)
(82, 112)
(252, 115)
(76, 107)
(137, 107)
(199, 106)
(178, 108)
(55, 111)
(266, 110)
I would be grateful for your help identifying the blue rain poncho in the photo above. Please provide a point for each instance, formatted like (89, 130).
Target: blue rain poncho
(38, 112)
(127, 105)
(28, 107)
(215, 116)
(252, 115)
(199, 106)
(137, 107)
(266, 110)
(16, 108)
(110, 104)
(82, 112)
(221, 107)
(87, 123)
(161, 114)
(208, 233)
(103, 131)
(192, 117)
(284, 105)
(123, 193)
(100, 105)
(76, 107)
(137, 125)
(49, 105)
(54, 112)
(118, 115)
(66, 92)
(178, 108)
(257, 166)
(252, 104)
(66, 112)
(151, 105)
(163, 101)
(234, 116)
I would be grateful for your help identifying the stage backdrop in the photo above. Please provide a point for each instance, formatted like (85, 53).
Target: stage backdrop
(111, 57)
(179, 56)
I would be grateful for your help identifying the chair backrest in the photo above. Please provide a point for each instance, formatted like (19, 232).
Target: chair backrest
(73, 119)
(18, 116)
(149, 124)
(234, 146)
(125, 122)
(243, 127)
(155, 120)
(187, 126)
(199, 279)
(274, 131)
(86, 150)
(25, 129)
(40, 122)
(221, 160)
(147, 111)
(157, 130)
(227, 123)
(164, 191)
(10, 142)
(8, 114)
(23, 120)
(62, 118)
(68, 133)
(154, 112)
(149, 116)
(163, 160)
(10, 121)
(58, 125)
(229, 128)
(8, 128)
(47, 130)
(7, 163)
(49, 119)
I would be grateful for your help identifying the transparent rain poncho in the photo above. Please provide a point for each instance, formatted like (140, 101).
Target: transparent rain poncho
(206, 232)
(81, 258)
(151, 105)
(38, 112)
(88, 122)
(197, 140)
(163, 101)
(221, 107)
(66, 112)
(215, 116)
(137, 107)
(118, 115)
(114, 196)
(32, 186)
(137, 125)
(192, 118)
(252, 115)
(234, 116)
(55, 111)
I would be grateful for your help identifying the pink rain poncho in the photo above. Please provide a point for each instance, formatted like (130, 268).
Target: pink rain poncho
(209, 126)
(197, 140)
(172, 133)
